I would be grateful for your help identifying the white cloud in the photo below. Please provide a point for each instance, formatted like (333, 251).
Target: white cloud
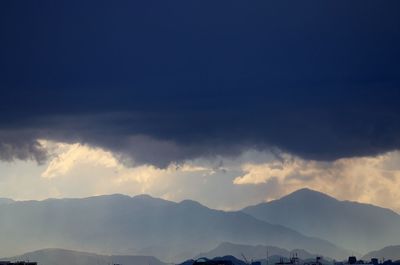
(78, 170)
(373, 180)
(68, 156)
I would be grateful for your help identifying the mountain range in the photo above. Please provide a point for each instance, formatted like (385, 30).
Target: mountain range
(237, 253)
(352, 225)
(389, 252)
(305, 221)
(234, 260)
(5, 201)
(257, 252)
(140, 225)
(55, 256)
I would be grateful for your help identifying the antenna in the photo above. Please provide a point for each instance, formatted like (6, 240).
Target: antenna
(245, 259)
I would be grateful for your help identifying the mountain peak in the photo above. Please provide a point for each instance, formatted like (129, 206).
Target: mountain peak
(191, 203)
(350, 224)
(389, 252)
(150, 200)
(307, 194)
(143, 197)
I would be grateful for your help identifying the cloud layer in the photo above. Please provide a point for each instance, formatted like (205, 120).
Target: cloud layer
(163, 82)
(366, 179)
(76, 170)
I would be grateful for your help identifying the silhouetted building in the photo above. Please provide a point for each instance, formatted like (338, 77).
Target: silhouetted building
(294, 260)
(352, 260)
(316, 262)
(373, 261)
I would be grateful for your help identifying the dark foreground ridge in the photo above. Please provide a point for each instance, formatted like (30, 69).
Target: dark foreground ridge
(293, 260)
(18, 263)
(70, 257)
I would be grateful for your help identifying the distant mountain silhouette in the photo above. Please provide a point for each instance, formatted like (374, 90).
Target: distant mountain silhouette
(254, 252)
(234, 260)
(5, 201)
(271, 259)
(390, 252)
(353, 225)
(70, 257)
(141, 225)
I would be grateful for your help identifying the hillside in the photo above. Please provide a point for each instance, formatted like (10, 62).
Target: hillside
(141, 225)
(390, 252)
(254, 252)
(5, 201)
(356, 226)
(70, 257)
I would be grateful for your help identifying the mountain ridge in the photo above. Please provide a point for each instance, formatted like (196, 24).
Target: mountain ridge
(256, 252)
(388, 252)
(59, 256)
(142, 225)
(354, 225)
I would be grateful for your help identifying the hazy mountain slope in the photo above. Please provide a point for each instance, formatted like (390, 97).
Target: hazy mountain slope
(5, 201)
(69, 257)
(254, 252)
(390, 252)
(356, 226)
(139, 225)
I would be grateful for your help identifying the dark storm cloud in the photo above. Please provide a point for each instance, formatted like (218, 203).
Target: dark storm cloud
(168, 80)
(21, 145)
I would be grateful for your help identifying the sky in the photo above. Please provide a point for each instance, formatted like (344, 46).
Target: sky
(229, 103)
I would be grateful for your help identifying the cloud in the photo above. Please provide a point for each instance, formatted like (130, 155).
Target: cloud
(319, 80)
(69, 156)
(229, 183)
(20, 145)
(80, 170)
(373, 179)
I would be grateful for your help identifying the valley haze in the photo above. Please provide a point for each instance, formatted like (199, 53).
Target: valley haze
(306, 220)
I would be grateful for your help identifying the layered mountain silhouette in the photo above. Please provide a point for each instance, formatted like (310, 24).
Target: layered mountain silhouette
(141, 225)
(57, 256)
(257, 252)
(356, 226)
(70, 257)
(390, 252)
(5, 201)
(234, 260)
